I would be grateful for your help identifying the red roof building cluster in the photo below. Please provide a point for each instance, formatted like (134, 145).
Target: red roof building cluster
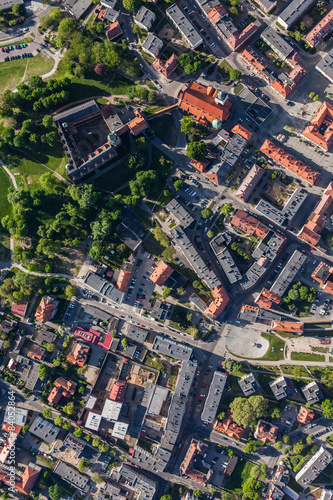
(19, 308)
(118, 391)
(24, 483)
(249, 183)
(266, 299)
(199, 165)
(266, 432)
(78, 354)
(290, 162)
(216, 307)
(288, 326)
(37, 353)
(124, 276)
(320, 129)
(229, 427)
(168, 67)
(324, 275)
(282, 86)
(305, 415)
(138, 124)
(311, 231)
(62, 388)
(46, 309)
(201, 103)
(323, 28)
(249, 224)
(101, 339)
(161, 273)
(113, 30)
(190, 465)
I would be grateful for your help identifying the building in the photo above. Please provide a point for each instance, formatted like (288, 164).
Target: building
(22, 483)
(118, 391)
(119, 430)
(169, 347)
(283, 217)
(293, 12)
(266, 432)
(43, 335)
(250, 183)
(322, 273)
(280, 46)
(179, 213)
(44, 430)
(249, 224)
(144, 486)
(111, 410)
(12, 424)
(72, 476)
(158, 397)
(77, 7)
(207, 105)
(305, 415)
(113, 30)
(189, 34)
(320, 129)
(46, 309)
(199, 165)
(93, 421)
(289, 162)
(194, 466)
(266, 299)
(280, 388)
(108, 14)
(78, 354)
(248, 313)
(325, 65)
(313, 467)
(152, 45)
(295, 327)
(216, 307)
(213, 398)
(226, 261)
(138, 124)
(320, 30)
(248, 384)
(124, 276)
(135, 333)
(144, 18)
(288, 273)
(312, 393)
(37, 353)
(62, 388)
(311, 231)
(7, 325)
(99, 338)
(166, 68)
(267, 5)
(229, 427)
(230, 146)
(19, 308)
(274, 493)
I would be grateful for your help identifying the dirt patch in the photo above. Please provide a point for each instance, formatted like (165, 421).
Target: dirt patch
(70, 260)
(167, 32)
(277, 192)
(308, 21)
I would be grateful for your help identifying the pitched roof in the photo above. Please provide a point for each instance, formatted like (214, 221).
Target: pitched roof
(266, 432)
(62, 387)
(249, 183)
(305, 415)
(199, 165)
(113, 30)
(167, 67)
(320, 129)
(311, 231)
(249, 224)
(19, 308)
(216, 307)
(36, 352)
(266, 298)
(288, 326)
(123, 280)
(243, 131)
(118, 391)
(138, 124)
(320, 30)
(161, 273)
(78, 355)
(46, 309)
(229, 427)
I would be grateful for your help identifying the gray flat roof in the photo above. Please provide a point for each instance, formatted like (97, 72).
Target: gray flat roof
(194, 259)
(252, 275)
(79, 7)
(312, 393)
(145, 17)
(267, 4)
(285, 216)
(72, 476)
(214, 397)
(228, 265)
(179, 212)
(294, 11)
(44, 429)
(146, 486)
(280, 388)
(172, 348)
(104, 288)
(276, 42)
(317, 463)
(184, 26)
(248, 384)
(135, 333)
(325, 65)
(155, 463)
(288, 273)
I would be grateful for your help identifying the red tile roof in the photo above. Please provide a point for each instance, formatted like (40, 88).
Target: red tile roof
(320, 129)
(36, 353)
(243, 131)
(24, 483)
(78, 355)
(19, 308)
(199, 101)
(46, 309)
(249, 224)
(249, 183)
(320, 30)
(118, 391)
(266, 299)
(138, 124)
(168, 67)
(199, 165)
(290, 162)
(288, 326)
(322, 272)
(113, 30)
(123, 280)
(62, 387)
(311, 231)
(219, 304)
(161, 273)
(229, 427)
(305, 415)
(266, 432)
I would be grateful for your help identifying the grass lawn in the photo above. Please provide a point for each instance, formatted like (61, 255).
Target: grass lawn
(288, 370)
(114, 178)
(239, 475)
(264, 381)
(12, 72)
(179, 318)
(233, 380)
(164, 128)
(285, 335)
(317, 372)
(152, 246)
(307, 356)
(238, 88)
(54, 157)
(29, 170)
(274, 352)
(5, 183)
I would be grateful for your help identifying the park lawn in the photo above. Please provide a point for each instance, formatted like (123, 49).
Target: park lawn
(264, 381)
(288, 370)
(238, 88)
(307, 356)
(285, 335)
(274, 352)
(317, 371)
(29, 170)
(5, 183)
(12, 72)
(4, 247)
(164, 129)
(54, 157)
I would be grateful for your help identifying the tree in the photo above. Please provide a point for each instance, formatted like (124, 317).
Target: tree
(210, 234)
(247, 411)
(285, 439)
(255, 471)
(51, 138)
(263, 471)
(25, 428)
(206, 212)
(78, 432)
(67, 27)
(316, 98)
(8, 134)
(197, 493)
(56, 362)
(81, 389)
(43, 372)
(100, 69)
(104, 447)
(297, 372)
(312, 94)
(178, 185)
(327, 378)
(327, 407)
(251, 488)
(180, 291)
(233, 11)
(69, 408)
(196, 150)
(152, 96)
(298, 448)
(161, 237)
(131, 4)
(293, 294)
(309, 439)
(123, 457)
(58, 421)
(55, 492)
(96, 477)
(186, 124)
(166, 292)
(70, 292)
(83, 465)
(66, 425)
(303, 292)
(226, 209)
(235, 74)
(125, 343)
(276, 413)
(50, 346)
(48, 121)
(221, 415)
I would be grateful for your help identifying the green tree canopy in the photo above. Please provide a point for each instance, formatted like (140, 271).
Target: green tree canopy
(47, 413)
(235, 74)
(247, 411)
(327, 407)
(206, 212)
(70, 292)
(55, 492)
(178, 184)
(131, 4)
(96, 477)
(196, 150)
(186, 124)
(251, 488)
(165, 293)
(226, 209)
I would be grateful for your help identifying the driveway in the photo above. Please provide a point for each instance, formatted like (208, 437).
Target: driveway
(246, 343)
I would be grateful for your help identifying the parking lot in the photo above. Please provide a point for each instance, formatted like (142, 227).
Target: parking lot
(288, 418)
(19, 51)
(140, 289)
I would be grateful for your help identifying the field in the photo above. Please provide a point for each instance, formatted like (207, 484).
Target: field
(5, 183)
(274, 352)
(307, 356)
(12, 72)
(288, 370)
